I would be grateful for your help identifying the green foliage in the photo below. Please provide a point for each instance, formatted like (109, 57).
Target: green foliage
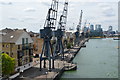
(69, 45)
(0, 64)
(8, 64)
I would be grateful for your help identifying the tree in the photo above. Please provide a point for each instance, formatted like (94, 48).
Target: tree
(8, 64)
(0, 64)
(69, 45)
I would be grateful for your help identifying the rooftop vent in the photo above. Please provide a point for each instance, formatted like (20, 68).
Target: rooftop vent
(11, 36)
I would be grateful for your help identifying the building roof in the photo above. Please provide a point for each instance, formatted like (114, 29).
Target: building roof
(6, 30)
(33, 34)
(12, 37)
(0, 37)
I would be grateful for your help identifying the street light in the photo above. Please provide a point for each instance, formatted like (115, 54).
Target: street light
(22, 73)
(58, 65)
(46, 74)
(63, 60)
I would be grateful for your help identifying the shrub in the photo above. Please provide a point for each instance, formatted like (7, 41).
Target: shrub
(69, 45)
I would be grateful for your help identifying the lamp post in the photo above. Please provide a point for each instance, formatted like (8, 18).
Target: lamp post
(46, 74)
(58, 65)
(63, 61)
(22, 73)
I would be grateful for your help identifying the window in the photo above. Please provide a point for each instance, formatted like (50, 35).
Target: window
(26, 60)
(26, 40)
(11, 45)
(18, 69)
(26, 52)
(11, 55)
(18, 46)
(7, 46)
(30, 45)
(3, 45)
(23, 41)
(7, 53)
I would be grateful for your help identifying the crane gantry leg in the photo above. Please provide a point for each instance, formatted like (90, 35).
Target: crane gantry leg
(47, 34)
(59, 33)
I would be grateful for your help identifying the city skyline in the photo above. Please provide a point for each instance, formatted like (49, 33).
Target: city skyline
(31, 14)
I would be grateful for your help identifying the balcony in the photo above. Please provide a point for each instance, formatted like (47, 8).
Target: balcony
(20, 54)
(26, 47)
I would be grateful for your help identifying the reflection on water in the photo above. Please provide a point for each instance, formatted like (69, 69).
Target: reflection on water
(98, 60)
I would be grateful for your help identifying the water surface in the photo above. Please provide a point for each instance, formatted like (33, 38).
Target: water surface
(98, 60)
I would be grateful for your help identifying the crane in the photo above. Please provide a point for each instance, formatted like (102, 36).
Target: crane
(46, 34)
(77, 33)
(59, 33)
(86, 29)
(80, 20)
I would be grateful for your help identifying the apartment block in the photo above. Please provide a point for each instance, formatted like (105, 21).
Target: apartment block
(19, 45)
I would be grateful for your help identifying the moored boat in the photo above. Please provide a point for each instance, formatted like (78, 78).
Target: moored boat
(116, 38)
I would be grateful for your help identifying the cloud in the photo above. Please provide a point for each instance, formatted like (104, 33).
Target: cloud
(43, 0)
(45, 3)
(29, 18)
(108, 21)
(93, 0)
(6, 3)
(13, 18)
(107, 8)
(16, 19)
(108, 11)
(60, 11)
(29, 10)
(22, 19)
(103, 5)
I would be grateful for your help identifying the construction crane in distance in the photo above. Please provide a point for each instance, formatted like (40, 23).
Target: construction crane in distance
(80, 20)
(77, 33)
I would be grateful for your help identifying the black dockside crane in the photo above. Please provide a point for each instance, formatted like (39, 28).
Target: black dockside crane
(47, 34)
(77, 33)
(59, 33)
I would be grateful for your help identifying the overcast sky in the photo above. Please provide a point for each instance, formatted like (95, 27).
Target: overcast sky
(31, 14)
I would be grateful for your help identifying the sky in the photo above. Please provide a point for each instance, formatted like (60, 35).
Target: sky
(31, 14)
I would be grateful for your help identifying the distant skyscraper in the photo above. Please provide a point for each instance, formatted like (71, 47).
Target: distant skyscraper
(91, 27)
(110, 31)
(97, 27)
(110, 28)
(85, 29)
(97, 31)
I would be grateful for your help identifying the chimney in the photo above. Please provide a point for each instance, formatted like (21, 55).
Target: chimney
(16, 29)
(24, 29)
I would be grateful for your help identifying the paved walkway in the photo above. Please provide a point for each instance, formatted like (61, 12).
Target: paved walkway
(35, 73)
